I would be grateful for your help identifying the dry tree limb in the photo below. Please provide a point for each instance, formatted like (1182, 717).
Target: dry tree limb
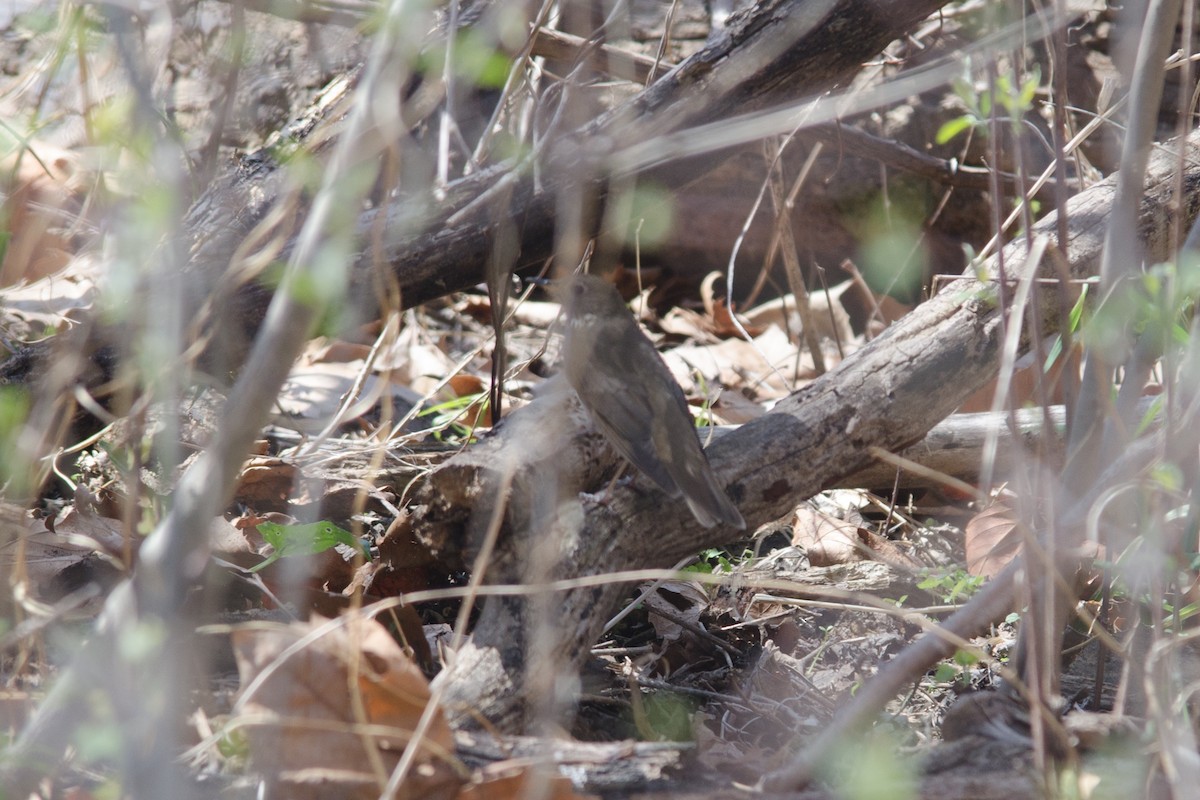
(899, 155)
(887, 395)
(777, 52)
(954, 448)
(436, 243)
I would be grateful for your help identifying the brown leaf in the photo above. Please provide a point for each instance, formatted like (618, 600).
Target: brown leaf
(47, 182)
(44, 565)
(827, 539)
(231, 541)
(85, 528)
(672, 603)
(830, 539)
(630, 283)
(466, 385)
(266, 484)
(720, 315)
(734, 408)
(992, 540)
(309, 735)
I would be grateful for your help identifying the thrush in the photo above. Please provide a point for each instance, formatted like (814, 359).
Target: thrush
(636, 403)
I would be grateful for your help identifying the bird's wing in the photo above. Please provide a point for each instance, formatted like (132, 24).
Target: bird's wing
(627, 415)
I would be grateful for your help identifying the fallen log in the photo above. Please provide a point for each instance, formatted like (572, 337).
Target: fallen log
(426, 243)
(888, 395)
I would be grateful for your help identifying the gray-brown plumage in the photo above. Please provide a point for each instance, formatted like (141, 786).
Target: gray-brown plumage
(635, 401)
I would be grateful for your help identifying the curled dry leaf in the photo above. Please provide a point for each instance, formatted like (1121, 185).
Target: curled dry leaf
(33, 309)
(832, 530)
(769, 361)
(828, 315)
(734, 408)
(313, 395)
(720, 316)
(466, 385)
(267, 483)
(674, 604)
(333, 718)
(827, 539)
(338, 351)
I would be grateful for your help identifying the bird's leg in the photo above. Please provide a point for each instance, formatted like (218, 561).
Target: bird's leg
(613, 483)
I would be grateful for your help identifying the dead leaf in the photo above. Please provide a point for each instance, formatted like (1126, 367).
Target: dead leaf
(539, 314)
(41, 565)
(266, 484)
(632, 282)
(337, 351)
(312, 395)
(309, 735)
(720, 321)
(50, 303)
(675, 604)
(769, 361)
(827, 539)
(685, 324)
(992, 540)
(831, 529)
(231, 542)
(91, 531)
(467, 385)
(48, 184)
(734, 408)
(829, 317)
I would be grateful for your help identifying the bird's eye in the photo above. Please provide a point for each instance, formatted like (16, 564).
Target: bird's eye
(577, 289)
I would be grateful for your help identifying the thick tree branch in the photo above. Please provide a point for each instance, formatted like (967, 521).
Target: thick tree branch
(887, 395)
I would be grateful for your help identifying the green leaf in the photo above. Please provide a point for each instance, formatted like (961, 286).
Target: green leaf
(1030, 86)
(1077, 309)
(1004, 86)
(953, 127)
(1053, 354)
(1152, 411)
(945, 673)
(965, 658)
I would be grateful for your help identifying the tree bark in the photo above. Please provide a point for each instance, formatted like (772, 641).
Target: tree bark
(776, 52)
(887, 395)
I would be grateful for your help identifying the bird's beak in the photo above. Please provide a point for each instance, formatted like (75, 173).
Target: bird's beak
(556, 288)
